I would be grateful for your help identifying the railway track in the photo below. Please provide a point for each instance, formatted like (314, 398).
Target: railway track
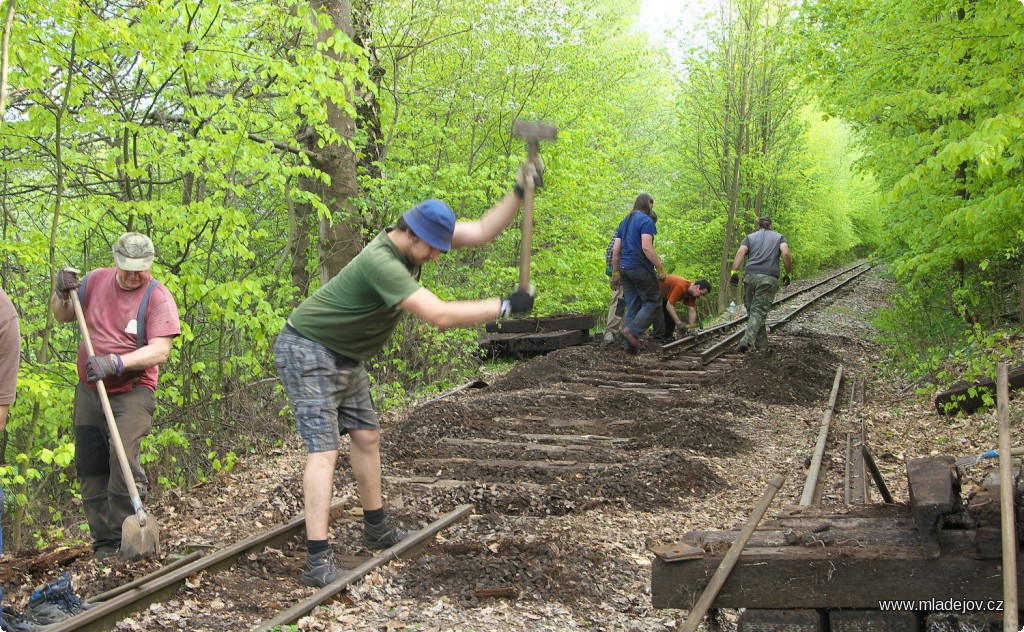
(583, 428)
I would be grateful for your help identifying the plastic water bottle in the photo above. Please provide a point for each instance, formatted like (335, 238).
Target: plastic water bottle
(732, 310)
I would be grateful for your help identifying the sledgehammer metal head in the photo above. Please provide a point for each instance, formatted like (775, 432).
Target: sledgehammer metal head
(532, 133)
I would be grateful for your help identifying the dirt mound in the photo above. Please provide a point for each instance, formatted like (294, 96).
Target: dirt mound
(792, 370)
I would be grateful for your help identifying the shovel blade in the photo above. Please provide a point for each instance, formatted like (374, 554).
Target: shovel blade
(139, 542)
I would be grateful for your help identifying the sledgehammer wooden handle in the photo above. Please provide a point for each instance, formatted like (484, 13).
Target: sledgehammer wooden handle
(532, 133)
(524, 244)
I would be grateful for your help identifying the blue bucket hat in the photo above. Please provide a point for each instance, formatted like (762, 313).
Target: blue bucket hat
(433, 221)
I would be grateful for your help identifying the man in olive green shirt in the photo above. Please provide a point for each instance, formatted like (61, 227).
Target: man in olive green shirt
(320, 355)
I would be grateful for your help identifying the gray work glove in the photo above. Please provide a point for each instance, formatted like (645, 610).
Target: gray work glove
(100, 367)
(67, 281)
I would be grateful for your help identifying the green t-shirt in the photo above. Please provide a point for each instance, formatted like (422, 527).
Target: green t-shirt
(356, 311)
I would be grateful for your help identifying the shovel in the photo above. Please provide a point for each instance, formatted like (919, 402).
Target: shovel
(970, 461)
(140, 536)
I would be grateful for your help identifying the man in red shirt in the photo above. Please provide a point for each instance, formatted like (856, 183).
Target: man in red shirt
(132, 320)
(674, 289)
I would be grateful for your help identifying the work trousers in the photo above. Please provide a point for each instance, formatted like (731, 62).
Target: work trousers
(758, 295)
(642, 294)
(104, 491)
(615, 312)
(663, 325)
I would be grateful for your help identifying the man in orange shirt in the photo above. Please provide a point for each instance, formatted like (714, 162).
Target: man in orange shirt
(674, 289)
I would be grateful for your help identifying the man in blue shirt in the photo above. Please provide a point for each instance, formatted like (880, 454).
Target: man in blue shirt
(637, 265)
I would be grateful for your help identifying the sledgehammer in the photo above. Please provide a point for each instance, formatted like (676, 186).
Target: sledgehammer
(532, 133)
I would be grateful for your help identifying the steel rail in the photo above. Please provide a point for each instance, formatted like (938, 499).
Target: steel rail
(113, 605)
(404, 549)
(693, 340)
(811, 483)
(161, 584)
(719, 348)
(788, 315)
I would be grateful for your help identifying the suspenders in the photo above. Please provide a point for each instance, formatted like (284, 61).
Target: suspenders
(140, 319)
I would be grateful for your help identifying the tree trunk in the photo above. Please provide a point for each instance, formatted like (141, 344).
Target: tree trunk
(340, 234)
(1021, 306)
(367, 106)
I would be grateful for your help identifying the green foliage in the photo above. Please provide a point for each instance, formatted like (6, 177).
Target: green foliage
(930, 344)
(931, 89)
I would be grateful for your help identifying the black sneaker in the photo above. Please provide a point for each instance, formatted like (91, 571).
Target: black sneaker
(55, 602)
(321, 569)
(104, 551)
(382, 536)
(742, 348)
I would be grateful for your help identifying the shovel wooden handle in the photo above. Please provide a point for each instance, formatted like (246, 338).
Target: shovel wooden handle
(1008, 515)
(115, 436)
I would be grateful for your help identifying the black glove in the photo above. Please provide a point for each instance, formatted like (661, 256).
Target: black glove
(518, 302)
(734, 280)
(529, 171)
(785, 278)
(67, 282)
(682, 328)
(99, 367)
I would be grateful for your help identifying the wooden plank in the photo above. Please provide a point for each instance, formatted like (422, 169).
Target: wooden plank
(545, 324)
(968, 398)
(525, 344)
(809, 523)
(830, 577)
(598, 439)
(876, 474)
(539, 447)
(857, 469)
(962, 540)
(454, 483)
(934, 485)
(558, 466)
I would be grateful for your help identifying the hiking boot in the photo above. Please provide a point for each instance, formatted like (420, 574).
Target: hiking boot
(14, 622)
(55, 602)
(321, 569)
(104, 551)
(609, 337)
(742, 348)
(382, 536)
(630, 338)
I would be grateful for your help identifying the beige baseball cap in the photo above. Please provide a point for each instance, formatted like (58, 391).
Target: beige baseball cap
(134, 252)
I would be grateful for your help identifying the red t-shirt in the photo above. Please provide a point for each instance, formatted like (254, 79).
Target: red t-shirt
(676, 288)
(111, 313)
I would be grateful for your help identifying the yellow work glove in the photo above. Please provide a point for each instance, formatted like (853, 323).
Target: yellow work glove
(660, 273)
(616, 281)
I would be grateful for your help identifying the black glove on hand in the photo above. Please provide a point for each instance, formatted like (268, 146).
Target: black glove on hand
(734, 280)
(518, 302)
(785, 279)
(66, 283)
(99, 367)
(529, 172)
(682, 328)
